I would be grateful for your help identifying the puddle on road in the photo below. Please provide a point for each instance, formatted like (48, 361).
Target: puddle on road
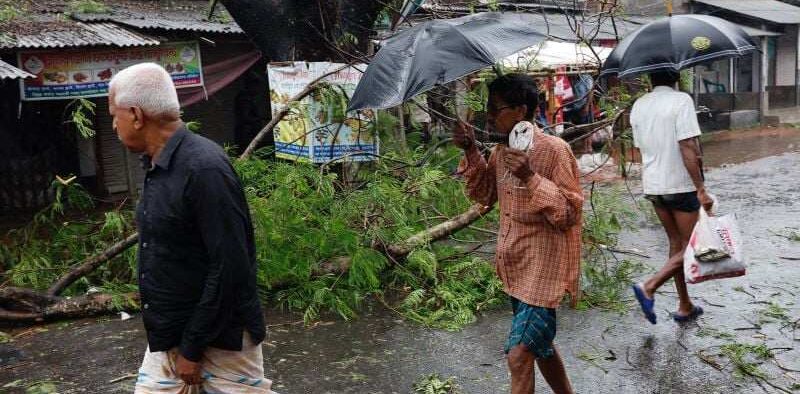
(739, 146)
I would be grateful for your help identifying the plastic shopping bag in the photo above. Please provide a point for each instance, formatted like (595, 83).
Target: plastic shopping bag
(714, 250)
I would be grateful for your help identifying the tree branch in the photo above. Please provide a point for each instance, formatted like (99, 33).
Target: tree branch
(92, 264)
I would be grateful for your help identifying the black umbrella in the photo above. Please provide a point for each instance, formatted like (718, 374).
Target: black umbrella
(675, 43)
(440, 51)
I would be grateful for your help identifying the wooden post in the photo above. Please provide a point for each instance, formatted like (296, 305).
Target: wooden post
(763, 97)
(797, 69)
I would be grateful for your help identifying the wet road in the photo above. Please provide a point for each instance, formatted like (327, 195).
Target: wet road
(604, 352)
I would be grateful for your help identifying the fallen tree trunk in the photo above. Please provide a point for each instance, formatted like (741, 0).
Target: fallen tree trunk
(67, 308)
(438, 231)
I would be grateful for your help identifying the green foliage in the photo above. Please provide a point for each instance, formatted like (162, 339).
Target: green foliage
(605, 279)
(686, 80)
(63, 235)
(193, 126)
(714, 333)
(9, 12)
(477, 97)
(746, 358)
(81, 117)
(447, 294)
(774, 311)
(37, 387)
(42, 388)
(306, 220)
(609, 216)
(87, 7)
(346, 39)
(221, 15)
(121, 294)
(605, 283)
(433, 384)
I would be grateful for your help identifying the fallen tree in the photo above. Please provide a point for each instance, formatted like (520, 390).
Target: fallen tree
(20, 304)
(26, 305)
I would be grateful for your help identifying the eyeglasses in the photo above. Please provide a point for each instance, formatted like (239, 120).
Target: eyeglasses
(492, 110)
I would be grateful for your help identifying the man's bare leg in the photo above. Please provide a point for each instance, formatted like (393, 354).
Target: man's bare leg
(521, 363)
(678, 226)
(685, 222)
(554, 373)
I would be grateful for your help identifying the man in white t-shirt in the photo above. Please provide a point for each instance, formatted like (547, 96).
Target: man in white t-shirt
(665, 130)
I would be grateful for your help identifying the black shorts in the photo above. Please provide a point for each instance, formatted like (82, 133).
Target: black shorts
(684, 202)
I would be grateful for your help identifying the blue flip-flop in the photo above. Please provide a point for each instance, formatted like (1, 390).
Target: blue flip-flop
(646, 303)
(693, 315)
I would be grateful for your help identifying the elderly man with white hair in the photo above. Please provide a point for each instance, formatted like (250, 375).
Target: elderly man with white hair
(197, 268)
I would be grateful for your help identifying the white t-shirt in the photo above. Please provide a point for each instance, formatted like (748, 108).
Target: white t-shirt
(660, 119)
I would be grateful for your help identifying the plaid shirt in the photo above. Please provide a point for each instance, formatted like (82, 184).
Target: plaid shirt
(539, 240)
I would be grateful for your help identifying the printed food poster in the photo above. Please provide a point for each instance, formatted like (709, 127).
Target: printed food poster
(317, 129)
(65, 74)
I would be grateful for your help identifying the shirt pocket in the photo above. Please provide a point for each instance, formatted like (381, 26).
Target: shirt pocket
(521, 206)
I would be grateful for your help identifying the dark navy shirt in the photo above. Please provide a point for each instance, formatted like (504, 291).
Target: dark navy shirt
(197, 268)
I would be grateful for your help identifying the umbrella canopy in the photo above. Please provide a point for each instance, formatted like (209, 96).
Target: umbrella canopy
(440, 51)
(675, 43)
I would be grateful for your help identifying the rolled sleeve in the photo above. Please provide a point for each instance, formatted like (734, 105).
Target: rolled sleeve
(559, 199)
(480, 176)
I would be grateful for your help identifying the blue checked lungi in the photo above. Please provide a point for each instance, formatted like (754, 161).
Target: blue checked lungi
(534, 327)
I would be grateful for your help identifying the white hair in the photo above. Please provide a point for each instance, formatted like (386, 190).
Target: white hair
(147, 86)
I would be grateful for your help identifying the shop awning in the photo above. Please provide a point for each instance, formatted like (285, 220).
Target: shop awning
(8, 71)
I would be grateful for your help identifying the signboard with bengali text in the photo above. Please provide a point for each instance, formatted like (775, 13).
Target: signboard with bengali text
(69, 74)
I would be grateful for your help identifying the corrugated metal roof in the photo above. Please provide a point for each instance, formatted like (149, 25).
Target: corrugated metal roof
(181, 15)
(43, 34)
(156, 22)
(751, 31)
(768, 10)
(11, 72)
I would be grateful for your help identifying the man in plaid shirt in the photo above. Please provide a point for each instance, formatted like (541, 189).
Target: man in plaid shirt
(539, 239)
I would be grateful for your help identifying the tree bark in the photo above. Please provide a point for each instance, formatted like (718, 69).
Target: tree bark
(84, 306)
(438, 231)
(67, 308)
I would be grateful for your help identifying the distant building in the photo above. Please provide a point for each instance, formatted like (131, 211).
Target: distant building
(761, 87)
(53, 52)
